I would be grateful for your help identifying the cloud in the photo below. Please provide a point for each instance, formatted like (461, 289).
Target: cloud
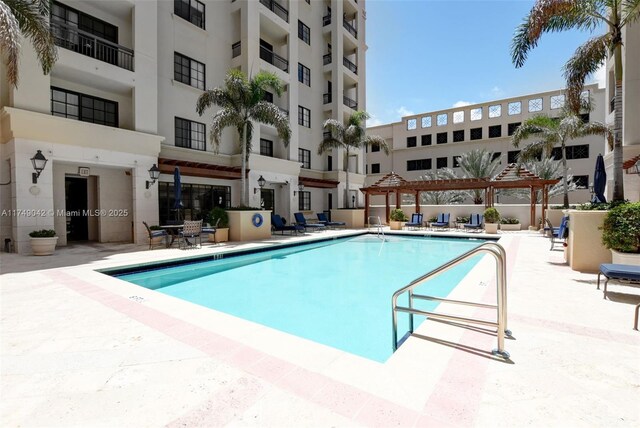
(373, 121)
(600, 77)
(403, 111)
(497, 91)
(461, 104)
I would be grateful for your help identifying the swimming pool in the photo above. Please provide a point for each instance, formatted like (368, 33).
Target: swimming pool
(335, 292)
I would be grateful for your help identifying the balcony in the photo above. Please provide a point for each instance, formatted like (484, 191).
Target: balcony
(350, 28)
(352, 104)
(276, 8)
(351, 66)
(70, 37)
(326, 59)
(236, 49)
(274, 59)
(326, 98)
(326, 20)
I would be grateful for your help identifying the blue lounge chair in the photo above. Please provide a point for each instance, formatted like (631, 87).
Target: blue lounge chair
(442, 221)
(559, 234)
(322, 219)
(301, 221)
(278, 225)
(475, 222)
(416, 221)
(626, 274)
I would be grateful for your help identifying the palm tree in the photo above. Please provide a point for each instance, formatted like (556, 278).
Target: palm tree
(552, 132)
(350, 136)
(559, 15)
(441, 197)
(242, 102)
(478, 163)
(28, 18)
(547, 169)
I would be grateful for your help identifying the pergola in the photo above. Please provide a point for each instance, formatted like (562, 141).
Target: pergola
(511, 177)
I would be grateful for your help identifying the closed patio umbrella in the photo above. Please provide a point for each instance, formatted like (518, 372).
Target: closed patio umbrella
(177, 193)
(599, 181)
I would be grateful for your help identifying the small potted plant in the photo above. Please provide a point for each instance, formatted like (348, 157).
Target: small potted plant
(509, 223)
(219, 218)
(491, 220)
(621, 233)
(397, 219)
(43, 242)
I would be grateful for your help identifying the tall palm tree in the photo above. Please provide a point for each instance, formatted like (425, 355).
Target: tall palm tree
(559, 15)
(547, 169)
(552, 132)
(441, 197)
(28, 18)
(478, 163)
(350, 136)
(241, 102)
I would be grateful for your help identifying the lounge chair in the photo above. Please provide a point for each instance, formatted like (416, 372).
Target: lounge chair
(442, 221)
(191, 230)
(416, 221)
(322, 219)
(475, 222)
(560, 233)
(626, 274)
(301, 221)
(277, 225)
(155, 234)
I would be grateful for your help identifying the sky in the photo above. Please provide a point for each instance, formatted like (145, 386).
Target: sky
(426, 55)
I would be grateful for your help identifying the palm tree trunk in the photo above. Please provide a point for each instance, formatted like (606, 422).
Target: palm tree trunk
(346, 171)
(618, 178)
(245, 192)
(565, 182)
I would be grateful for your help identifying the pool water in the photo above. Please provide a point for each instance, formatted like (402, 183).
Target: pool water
(336, 292)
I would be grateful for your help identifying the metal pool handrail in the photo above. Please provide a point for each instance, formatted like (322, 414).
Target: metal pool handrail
(499, 254)
(378, 225)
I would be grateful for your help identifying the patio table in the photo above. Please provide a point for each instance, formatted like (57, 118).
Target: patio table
(173, 230)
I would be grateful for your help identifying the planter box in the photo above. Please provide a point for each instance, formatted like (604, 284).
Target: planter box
(396, 225)
(353, 218)
(43, 246)
(585, 251)
(243, 226)
(221, 235)
(491, 227)
(510, 226)
(625, 258)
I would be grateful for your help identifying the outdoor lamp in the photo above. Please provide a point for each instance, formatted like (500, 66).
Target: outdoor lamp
(353, 201)
(300, 188)
(591, 187)
(261, 183)
(38, 161)
(154, 173)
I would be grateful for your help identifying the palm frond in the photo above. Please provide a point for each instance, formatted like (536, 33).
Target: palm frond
(262, 82)
(268, 113)
(630, 12)
(334, 127)
(237, 86)
(585, 61)
(534, 151)
(217, 96)
(536, 126)
(596, 128)
(222, 119)
(329, 142)
(371, 140)
(10, 42)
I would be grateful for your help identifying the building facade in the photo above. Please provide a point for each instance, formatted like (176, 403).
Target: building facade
(122, 98)
(433, 140)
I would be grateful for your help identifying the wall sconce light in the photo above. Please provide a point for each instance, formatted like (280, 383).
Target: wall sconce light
(39, 162)
(154, 173)
(261, 183)
(300, 189)
(591, 188)
(353, 201)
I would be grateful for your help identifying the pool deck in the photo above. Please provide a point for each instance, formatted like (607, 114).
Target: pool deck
(79, 348)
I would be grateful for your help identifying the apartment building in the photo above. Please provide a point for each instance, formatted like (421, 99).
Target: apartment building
(122, 97)
(434, 140)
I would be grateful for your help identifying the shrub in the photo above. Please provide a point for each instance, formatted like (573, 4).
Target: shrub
(491, 215)
(463, 219)
(44, 233)
(398, 215)
(621, 228)
(218, 213)
(244, 208)
(433, 219)
(509, 220)
(155, 227)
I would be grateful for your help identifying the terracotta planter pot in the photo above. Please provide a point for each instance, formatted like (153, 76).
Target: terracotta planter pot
(43, 246)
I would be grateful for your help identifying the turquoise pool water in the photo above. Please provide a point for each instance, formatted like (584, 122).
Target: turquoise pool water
(337, 292)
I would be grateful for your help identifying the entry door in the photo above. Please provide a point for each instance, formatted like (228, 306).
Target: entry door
(267, 199)
(77, 207)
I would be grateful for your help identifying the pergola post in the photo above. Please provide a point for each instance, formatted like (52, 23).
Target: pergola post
(387, 209)
(545, 203)
(532, 211)
(366, 207)
(398, 196)
(417, 201)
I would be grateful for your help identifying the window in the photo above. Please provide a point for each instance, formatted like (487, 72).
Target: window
(556, 101)
(512, 156)
(515, 108)
(441, 119)
(495, 131)
(456, 161)
(304, 157)
(64, 14)
(495, 111)
(412, 124)
(304, 201)
(197, 200)
(535, 105)
(82, 107)
(585, 96)
(304, 33)
(425, 140)
(585, 117)
(418, 164)
(441, 163)
(191, 10)
(266, 147)
(304, 75)
(511, 128)
(476, 113)
(189, 71)
(441, 138)
(411, 141)
(375, 168)
(476, 134)
(582, 181)
(458, 116)
(426, 121)
(304, 117)
(572, 152)
(458, 135)
(268, 97)
(189, 134)
(496, 155)
(375, 147)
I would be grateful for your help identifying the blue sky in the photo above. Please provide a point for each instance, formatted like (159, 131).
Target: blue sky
(429, 55)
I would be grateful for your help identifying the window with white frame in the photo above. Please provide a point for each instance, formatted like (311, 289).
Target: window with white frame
(476, 113)
(535, 105)
(515, 108)
(495, 110)
(458, 116)
(426, 121)
(441, 119)
(412, 124)
(556, 101)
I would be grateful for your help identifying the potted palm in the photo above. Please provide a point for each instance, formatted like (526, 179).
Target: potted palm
(509, 223)
(219, 218)
(621, 233)
(491, 220)
(43, 242)
(397, 219)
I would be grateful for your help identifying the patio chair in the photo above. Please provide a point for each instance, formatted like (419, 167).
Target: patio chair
(475, 222)
(155, 234)
(559, 234)
(625, 274)
(416, 221)
(278, 225)
(191, 230)
(301, 221)
(322, 219)
(211, 230)
(442, 221)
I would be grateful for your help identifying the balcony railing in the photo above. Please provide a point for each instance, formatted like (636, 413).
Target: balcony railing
(276, 8)
(612, 105)
(326, 98)
(326, 59)
(346, 24)
(236, 49)
(70, 37)
(349, 102)
(274, 59)
(326, 20)
(351, 66)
